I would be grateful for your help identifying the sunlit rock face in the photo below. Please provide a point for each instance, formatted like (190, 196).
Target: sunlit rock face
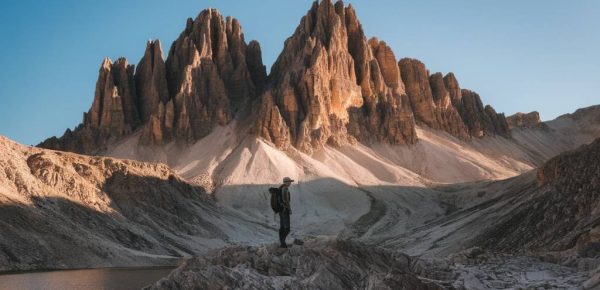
(314, 80)
(211, 73)
(333, 86)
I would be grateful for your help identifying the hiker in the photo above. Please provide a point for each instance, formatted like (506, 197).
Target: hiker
(286, 211)
(280, 203)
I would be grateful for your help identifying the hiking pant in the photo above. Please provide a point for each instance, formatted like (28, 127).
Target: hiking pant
(284, 229)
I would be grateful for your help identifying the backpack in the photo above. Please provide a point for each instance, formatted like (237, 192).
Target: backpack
(276, 201)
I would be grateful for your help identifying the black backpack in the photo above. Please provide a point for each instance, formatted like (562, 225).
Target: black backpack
(276, 201)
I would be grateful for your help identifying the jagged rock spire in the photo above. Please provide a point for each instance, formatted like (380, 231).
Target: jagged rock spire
(114, 109)
(446, 111)
(481, 121)
(214, 40)
(211, 74)
(151, 80)
(314, 82)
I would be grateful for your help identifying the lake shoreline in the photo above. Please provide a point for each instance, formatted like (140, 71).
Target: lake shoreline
(137, 267)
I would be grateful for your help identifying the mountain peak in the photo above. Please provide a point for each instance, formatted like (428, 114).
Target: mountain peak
(393, 96)
(106, 63)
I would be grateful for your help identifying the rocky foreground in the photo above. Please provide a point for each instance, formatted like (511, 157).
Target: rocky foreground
(329, 263)
(320, 263)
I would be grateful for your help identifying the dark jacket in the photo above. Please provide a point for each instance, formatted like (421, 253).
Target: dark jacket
(285, 198)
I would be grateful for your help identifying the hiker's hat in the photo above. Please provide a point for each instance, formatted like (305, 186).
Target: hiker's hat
(287, 179)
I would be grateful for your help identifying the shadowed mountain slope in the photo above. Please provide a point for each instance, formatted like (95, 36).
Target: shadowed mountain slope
(62, 210)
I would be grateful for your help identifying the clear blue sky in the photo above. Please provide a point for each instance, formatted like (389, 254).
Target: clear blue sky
(519, 55)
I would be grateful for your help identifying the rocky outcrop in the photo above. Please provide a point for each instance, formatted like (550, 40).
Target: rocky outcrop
(114, 112)
(498, 120)
(318, 264)
(574, 171)
(272, 125)
(453, 88)
(256, 68)
(446, 110)
(114, 109)
(153, 95)
(386, 115)
(416, 79)
(438, 102)
(525, 120)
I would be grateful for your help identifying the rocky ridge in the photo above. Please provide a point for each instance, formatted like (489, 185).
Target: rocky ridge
(330, 85)
(558, 217)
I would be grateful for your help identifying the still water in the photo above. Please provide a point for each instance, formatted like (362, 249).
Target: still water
(87, 279)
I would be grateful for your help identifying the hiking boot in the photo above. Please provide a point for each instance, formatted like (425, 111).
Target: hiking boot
(283, 246)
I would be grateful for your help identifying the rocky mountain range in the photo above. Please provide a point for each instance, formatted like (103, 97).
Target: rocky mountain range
(330, 85)
(395, 165)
